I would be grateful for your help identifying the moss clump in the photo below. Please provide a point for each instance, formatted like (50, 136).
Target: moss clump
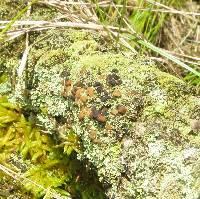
(41, 164)
(134, 122)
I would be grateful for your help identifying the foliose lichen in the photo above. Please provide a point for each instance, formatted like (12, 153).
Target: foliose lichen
(133, 120)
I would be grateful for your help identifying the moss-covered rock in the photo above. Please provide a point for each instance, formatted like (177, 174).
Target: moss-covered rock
(138, 126)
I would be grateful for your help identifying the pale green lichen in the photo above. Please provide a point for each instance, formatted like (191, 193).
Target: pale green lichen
(149, 149)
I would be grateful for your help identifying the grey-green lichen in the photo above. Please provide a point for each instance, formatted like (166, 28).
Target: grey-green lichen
(133, 120)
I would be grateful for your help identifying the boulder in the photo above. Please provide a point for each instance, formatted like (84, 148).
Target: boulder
(138, 126)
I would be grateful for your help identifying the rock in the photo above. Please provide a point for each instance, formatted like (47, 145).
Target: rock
(151, 156)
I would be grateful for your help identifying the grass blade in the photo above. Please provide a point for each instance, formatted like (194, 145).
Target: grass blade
(168, 56)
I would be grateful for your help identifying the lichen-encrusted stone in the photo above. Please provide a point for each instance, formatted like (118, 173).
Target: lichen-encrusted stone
(135, 122)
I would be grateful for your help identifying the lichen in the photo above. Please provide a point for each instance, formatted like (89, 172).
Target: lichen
(134, 121)
(137, 126)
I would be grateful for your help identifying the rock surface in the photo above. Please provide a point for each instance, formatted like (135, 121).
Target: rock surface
(138, 126)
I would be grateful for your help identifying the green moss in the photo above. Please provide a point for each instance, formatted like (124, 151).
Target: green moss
(40, 163)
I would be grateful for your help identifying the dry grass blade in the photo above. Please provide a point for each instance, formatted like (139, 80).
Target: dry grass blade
(44, 24)
(185, 56)
(82, 15)
(26, 51)
(106, 4)
(184, 13)
(24, 59)
(172, 10)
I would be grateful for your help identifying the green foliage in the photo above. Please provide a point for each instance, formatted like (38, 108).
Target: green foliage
(142, 18)
(43, 165)
(148, 22)
(145, 22)
(193, 79)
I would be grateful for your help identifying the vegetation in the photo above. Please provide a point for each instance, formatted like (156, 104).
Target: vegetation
(87, 115)
(38, 162)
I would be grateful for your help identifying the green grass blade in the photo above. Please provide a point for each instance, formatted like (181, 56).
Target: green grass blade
(168, 56)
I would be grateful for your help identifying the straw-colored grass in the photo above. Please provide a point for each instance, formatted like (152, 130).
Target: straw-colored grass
(142, 21)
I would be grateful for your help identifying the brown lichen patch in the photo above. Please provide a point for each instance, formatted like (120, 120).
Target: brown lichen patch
(108, 127)
(67, 88)
(79, 93)
(68, 82)
(104, 110)
(92, 134)
(73, 91)
(83, 98)
(121, 109)
(116, 93)
(105, 96)
(98, 87)
(66, 91)
(98, 115)
(81, 115)
(85, 112)
(94, 112)
(101, 118)
(90, 91)
(82, 95)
